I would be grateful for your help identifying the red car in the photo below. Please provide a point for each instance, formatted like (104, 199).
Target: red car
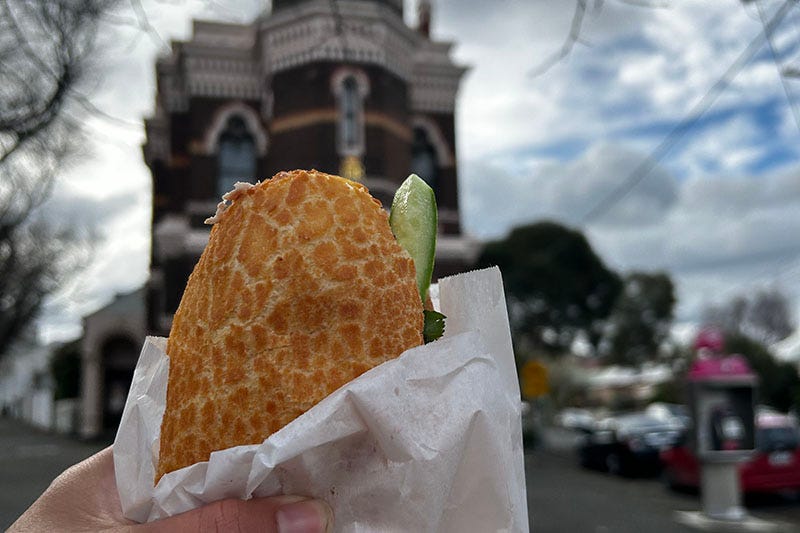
(774, 467)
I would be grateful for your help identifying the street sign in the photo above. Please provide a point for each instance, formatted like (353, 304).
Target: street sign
(534, 380)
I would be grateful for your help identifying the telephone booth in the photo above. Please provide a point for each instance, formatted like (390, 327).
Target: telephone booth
(722, 397)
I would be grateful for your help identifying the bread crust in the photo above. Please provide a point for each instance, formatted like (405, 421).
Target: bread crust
(301, 288)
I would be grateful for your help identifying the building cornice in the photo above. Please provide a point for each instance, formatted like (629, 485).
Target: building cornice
(236, 61)
(362, 33)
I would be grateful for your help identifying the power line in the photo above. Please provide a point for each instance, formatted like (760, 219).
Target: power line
(763, 276)
(781, 74)
(676, 134)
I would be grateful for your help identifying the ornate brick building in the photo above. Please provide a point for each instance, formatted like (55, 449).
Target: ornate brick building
(343, 86)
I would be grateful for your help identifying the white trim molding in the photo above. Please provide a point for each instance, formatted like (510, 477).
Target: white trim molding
(341, 73)
(251, 119)
(444, 155)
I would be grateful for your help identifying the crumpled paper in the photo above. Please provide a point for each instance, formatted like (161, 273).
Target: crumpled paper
(430, 441)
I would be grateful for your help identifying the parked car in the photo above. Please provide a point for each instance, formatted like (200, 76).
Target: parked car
(675, 414)
(774, 467)
(575, 418)
(627, 444)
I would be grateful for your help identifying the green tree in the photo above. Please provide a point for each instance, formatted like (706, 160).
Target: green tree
(65, 367)
(779, 385)
(557, 287)
(641, 319)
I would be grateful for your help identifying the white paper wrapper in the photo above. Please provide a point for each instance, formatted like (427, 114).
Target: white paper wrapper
(430, 441)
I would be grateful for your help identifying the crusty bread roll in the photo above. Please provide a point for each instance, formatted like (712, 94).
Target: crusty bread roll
(301, 288)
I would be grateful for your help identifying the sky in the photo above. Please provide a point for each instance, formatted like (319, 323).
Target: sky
(642, 136)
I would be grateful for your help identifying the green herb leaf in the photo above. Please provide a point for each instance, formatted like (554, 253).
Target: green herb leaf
(434, 325)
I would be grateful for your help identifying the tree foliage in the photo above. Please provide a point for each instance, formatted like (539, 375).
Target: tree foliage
(557, 287)
(65, 367)
(779, 384)
(764, 316)
(641, 319)
(45, 52)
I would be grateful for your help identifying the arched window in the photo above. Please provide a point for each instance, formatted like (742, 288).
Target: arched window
(423, 158)
(350, 105)
(350, 86)
(236, 157)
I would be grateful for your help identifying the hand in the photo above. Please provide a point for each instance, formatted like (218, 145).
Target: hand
(85, 498)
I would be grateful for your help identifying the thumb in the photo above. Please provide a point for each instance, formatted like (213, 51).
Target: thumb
(277, 514)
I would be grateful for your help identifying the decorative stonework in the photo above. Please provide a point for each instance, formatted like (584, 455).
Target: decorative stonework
(220, 60)
(222, 77)
(357, 31)
(444, 153)
(251, 120)
(339, 75)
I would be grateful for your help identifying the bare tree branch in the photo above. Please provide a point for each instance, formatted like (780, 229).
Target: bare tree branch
(143, 21)
(569, 43)
(576, 27)
(653, 4)
(45, 51)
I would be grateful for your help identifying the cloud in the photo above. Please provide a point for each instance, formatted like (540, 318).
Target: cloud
(722, 237)
(719, 210)
(716, 234)
(565, 191)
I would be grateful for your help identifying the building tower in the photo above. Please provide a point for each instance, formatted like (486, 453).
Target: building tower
(342, 86)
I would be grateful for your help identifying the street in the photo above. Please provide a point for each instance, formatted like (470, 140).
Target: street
(562, 497)
(30, 460)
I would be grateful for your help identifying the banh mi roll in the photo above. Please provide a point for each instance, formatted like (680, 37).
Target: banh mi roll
(301, 288)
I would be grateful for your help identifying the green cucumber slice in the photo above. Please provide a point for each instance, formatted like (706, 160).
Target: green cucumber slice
(414, 220)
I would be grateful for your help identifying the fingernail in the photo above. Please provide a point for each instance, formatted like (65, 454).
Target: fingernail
(308, 516)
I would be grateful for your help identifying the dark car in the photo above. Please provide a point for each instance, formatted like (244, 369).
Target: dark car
(674, 414)
(628, 445)
(774, 467)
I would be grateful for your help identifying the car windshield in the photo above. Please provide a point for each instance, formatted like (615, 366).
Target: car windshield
(777, 437)
(641, 424)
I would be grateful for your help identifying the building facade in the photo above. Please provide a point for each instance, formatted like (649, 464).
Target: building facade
(343, 86)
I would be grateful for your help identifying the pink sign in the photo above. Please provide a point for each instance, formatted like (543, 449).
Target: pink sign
(731, 365)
